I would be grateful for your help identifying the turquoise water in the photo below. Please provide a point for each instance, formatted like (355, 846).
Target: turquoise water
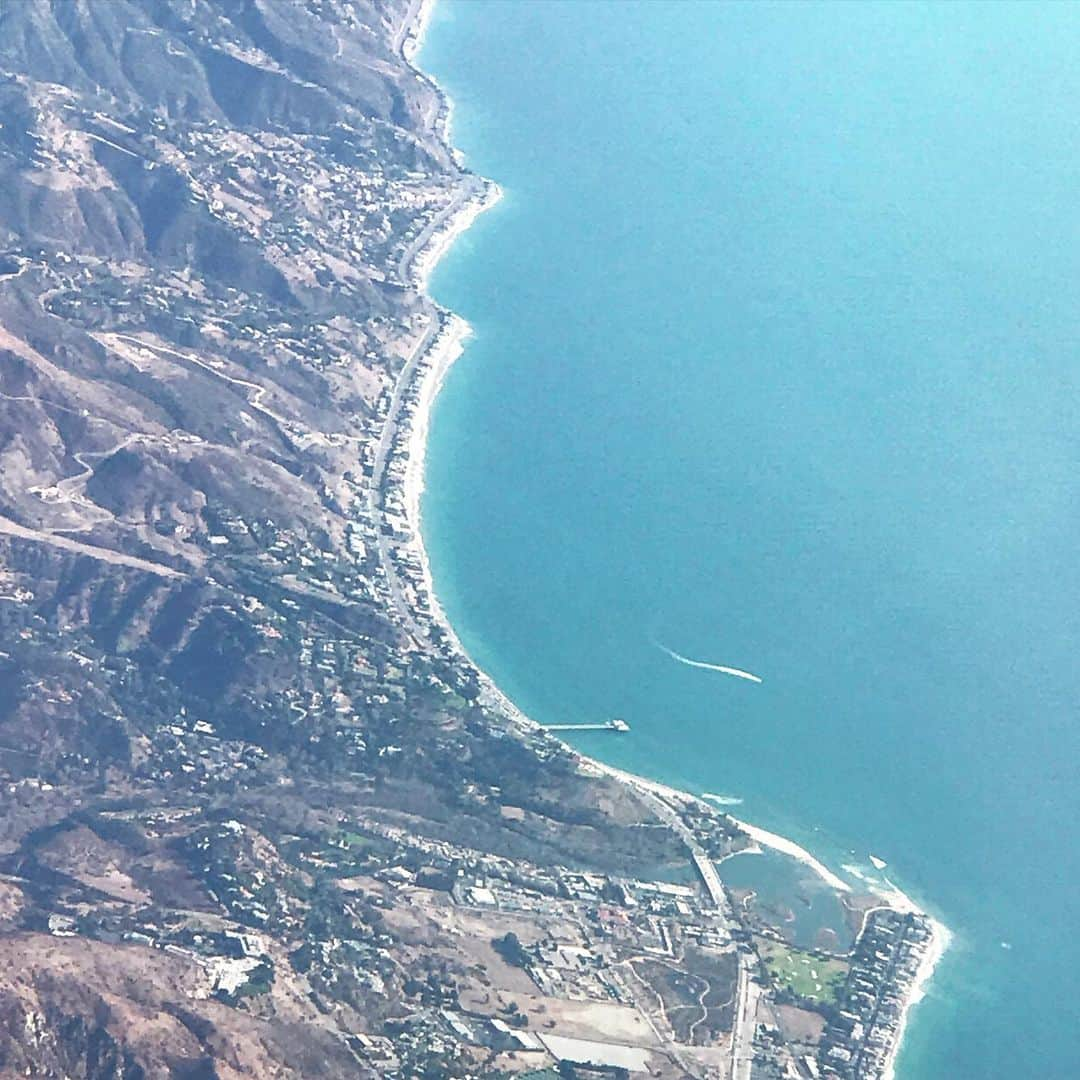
(776, 364)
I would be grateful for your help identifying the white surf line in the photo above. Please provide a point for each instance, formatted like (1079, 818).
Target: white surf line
(723, 669)
(721, 800)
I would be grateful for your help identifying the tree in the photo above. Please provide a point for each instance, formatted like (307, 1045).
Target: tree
(509, 947)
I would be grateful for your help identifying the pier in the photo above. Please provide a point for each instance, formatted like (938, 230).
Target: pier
(607, 725)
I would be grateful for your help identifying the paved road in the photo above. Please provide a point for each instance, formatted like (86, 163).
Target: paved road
(702, 861)
(709, 875)
(469, 190)
(382, 453)
(431, 311)
(404, 381)
(747, 991)
(407, 24)
(471, 187)
(745, 1024)
(397, 597)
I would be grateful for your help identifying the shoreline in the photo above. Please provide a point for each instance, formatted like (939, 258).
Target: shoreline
(414, 30)
(939, 944)
(428, 257)
(788, 847)
(430, 375)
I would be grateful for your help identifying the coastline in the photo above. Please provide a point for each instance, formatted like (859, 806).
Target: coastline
(414, 29)
(441, 240)
(788, 847)
(429, 377)
(939, 944)
(447, 347)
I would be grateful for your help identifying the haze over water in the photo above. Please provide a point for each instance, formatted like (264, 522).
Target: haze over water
(776, 364)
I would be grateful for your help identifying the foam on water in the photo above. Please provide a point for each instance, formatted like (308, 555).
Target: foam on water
(722, 800)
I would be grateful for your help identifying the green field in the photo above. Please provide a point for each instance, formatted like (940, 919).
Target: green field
(807, 976)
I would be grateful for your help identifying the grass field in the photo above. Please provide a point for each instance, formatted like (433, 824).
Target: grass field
(807, 976)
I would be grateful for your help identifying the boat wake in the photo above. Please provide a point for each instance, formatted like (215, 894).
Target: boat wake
(738, 673)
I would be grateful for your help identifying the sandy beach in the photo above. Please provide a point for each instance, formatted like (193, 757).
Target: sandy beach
(789, 847)
(441, 241)
(446, 348)
(939, 943)
(444, 351)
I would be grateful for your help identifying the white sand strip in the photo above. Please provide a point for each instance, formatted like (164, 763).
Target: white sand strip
(939, 943)
(440, 243)
(789, 847)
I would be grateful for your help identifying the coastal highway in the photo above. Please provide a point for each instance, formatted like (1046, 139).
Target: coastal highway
(471, 188)
(404, 380)
(747, 990)
(382, 451)
(702, 861)
(709, 875)
(408, 24)
(435, 323)
(435, 316)
(397, 597)
(745, 1022)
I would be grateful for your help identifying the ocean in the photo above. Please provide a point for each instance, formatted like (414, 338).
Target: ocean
(775, 366)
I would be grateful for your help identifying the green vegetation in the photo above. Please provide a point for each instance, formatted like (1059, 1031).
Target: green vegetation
(454, 702)
(511, 950)
(259, 981)
(358, 842)
(812, 979)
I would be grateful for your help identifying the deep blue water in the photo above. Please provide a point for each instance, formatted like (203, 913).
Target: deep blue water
(776, 363)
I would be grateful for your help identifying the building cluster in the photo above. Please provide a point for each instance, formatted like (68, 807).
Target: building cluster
(327, 216)
(235, 962)
(858, 1042)
(338, 219)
